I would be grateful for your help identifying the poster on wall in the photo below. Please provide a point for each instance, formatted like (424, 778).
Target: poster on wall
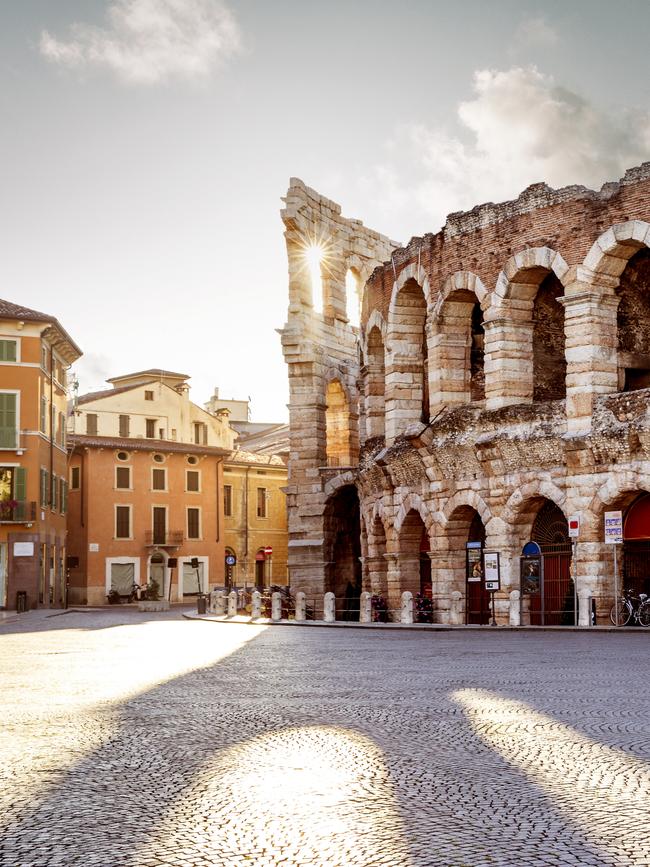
(474, 565)
(23, 549)
(531, 569)
(492, 570)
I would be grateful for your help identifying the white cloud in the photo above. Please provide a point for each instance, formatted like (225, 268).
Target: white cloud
(519, 128)
(149, 41)
(535, 32)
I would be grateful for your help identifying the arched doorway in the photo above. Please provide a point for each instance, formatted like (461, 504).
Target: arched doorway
(636, 546)
(477, 606)
(260, 569)
(414, 561)
(342, 548)
(552, 604)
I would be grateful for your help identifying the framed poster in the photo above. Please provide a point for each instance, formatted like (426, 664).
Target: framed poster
(491, 567)
(531, 571)
(474, 562)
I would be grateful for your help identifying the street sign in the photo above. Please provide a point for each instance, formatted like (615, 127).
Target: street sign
(230, 560)
(268, 550)
(613, 528)
(492, 570)
(574, 526)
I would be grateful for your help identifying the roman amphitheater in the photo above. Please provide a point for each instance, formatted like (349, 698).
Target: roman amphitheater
(470, 392)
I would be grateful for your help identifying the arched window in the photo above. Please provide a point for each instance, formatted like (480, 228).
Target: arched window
(314, 257)
(458, 349)
(633, 324)
(549, 360)
(375, 384)
(407, 374)
(353, 297)
(337, 422)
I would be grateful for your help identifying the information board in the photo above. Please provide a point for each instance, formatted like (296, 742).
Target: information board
(613, 528)
(492, 570)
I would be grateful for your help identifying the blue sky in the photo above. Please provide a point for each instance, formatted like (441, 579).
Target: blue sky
(146, 144)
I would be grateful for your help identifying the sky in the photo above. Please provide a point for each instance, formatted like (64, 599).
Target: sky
(145, 146)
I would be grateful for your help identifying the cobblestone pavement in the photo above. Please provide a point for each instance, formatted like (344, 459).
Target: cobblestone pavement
(134, 739)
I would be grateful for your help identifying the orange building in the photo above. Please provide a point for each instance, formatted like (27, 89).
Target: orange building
(35, 354)
(146, 490)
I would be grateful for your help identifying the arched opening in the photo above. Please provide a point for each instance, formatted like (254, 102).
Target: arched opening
(407, 386)
(636, 546)
(260, 570)
(549, 358)
(633, 324)
(414, 561)
(476, 356)
(157, 572)
(375, 384)
(337, 424)
(465, 542)
(342, 548)
(458, 373)
(314, 256)
(546, 581)
(353, 297)
(377, 566)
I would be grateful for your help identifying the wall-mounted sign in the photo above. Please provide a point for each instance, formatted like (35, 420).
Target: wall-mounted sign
(531, 572)
(93, 547)
(613, 528)
(474, 562)
(574, 526)
(231, 559)
(23, 549)
(492, 570)
(268, 550)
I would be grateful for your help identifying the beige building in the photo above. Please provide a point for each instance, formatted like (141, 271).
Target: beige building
(497, 386)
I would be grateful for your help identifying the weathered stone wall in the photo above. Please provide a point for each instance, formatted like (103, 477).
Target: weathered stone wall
(524, 357)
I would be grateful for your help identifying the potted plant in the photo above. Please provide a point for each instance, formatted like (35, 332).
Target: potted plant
(379, 608)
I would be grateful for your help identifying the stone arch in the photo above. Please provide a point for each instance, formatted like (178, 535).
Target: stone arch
(470, 499)
(342, 549)
(374, 383)
(457, 342)
(464, 524)
(617, 492)
(413, 503)
(412, 272)
(611, 251)
(524, 497)
(340, 445)
(407, 367)
(525, 350)
(375, 320)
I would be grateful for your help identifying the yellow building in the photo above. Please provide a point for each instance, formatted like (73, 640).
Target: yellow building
(255, 519)
(35, 354)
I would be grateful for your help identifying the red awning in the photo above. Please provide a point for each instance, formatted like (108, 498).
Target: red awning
(637, 520)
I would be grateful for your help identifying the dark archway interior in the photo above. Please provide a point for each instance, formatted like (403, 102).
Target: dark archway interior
(343, 551)
(633, 322)
(554, 604)
(477, 373)
(549, 359)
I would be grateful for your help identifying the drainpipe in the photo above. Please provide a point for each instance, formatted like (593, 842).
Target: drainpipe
(219, 501)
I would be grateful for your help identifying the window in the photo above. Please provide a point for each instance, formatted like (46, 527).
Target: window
(148, 395)
(122, 522)
(159, 525)
(54, 486)
(75, 478)
(161, 433)
(91, 424)
(43, 415)
(123, 477)
(192, 459)
(227, 500)
(192, 480)
(63, 496)
(125, 424)
(159, 459)
(261, 502)
(8, 421)
(45, 357)
(200, 433)
(8, 350)
(53, 423)
(62, 429)
(122, 456)
(174, 433)
(45, 487)
(151, 428)
(158, 480)
(193, 523)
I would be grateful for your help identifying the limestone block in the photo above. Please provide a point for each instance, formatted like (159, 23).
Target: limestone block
(514, 613)
(232, 603)
(329, 608)
(406, 613)
(256, 605)
(365, 608)
(301, 606)
(276, 606)
(456, 608)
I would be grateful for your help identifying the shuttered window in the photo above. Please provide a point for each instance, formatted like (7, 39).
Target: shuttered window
(64, 497)
(7, 350)
(20, 484)
(44, 415)
(158, 480)
(8, 432)
(91, 424)
(54, 493)
(261, 502)
(193, 483)
(75, 476)
(122, 477)
(62, 429)
(227, 500)
(122, 522)
(45, 487)
(150, 427)
(193, 523)
(125, 424)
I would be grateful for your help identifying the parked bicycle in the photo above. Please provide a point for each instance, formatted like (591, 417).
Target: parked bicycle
(631, 608)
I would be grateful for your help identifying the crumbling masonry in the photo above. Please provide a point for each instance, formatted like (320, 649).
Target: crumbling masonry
(498, 384)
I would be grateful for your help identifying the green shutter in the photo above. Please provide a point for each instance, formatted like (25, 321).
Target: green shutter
(54, 492)
(64, 497)
(7, 350)
(20, 484)
(7, 421)
(45, 488)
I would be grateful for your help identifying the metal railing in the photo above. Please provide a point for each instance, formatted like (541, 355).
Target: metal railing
(17, 512)
(166, 538)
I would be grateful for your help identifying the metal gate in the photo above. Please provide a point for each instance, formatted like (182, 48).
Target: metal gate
(553, 605)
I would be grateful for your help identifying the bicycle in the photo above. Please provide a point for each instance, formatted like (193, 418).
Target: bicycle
(631, 608)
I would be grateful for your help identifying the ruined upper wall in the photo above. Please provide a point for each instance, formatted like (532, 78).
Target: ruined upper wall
(480, 241)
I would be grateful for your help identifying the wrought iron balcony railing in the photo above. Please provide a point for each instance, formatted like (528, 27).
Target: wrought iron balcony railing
(17, 511)
(164, 538)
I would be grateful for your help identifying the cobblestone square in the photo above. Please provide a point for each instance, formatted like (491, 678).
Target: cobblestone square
(135, 739)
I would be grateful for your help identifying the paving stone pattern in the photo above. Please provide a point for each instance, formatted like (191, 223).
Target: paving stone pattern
(144, 739)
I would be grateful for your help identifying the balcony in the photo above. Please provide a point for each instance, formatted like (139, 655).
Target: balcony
(163, 538)
(17, 512)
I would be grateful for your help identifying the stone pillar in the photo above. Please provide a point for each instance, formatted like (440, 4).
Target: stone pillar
(377, 577)
(365, 612)
(590, 327)
(508, 358)
(301, 607)
(456, 608)
(403, 394)
(450, 358)
(393, 582)
(584, 609)
(276, 606)
(329, 608)
(406, 614)
(441, 585)
(514, 617)
(256, 605)
(232, 603)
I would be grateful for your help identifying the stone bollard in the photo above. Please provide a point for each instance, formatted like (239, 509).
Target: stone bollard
(365, 608)
(514, 614)
(256, 605)
(212, 602)
(301, 606)
(232, 603)
(220, 603)
(329, 608)
(584, 609)
(456, 608)
(406, 615)
(276, 606)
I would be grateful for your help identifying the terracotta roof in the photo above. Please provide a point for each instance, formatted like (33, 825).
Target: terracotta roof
(144, 445)
(106, 392)
(9, 310)
(154, 371)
